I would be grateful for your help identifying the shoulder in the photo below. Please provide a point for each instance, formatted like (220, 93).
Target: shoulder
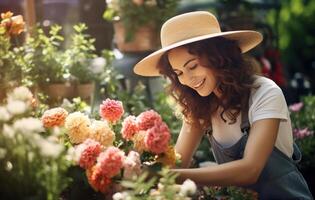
(267, 100)
(264, 88)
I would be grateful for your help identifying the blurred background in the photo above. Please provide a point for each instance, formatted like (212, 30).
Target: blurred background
(76, 53)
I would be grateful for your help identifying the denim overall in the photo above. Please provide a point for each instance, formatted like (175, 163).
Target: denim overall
(280, 178)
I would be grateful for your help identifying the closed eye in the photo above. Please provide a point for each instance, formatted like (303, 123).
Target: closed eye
(193, 67)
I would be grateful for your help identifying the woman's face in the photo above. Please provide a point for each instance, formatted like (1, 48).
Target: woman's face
(191, 72)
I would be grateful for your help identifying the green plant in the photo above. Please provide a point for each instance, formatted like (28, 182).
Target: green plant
(80, 53)
(43, 59)
(10, 72)
(303, 117)
(136, 13)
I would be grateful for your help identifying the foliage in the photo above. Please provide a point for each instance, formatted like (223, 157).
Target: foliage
(10, 72)
(32, 163)
(43, 59)
(136, 13)
(162, 187)
(80, 53)
(295, 21)
(303, 118)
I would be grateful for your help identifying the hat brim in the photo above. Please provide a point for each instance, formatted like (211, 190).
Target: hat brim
(246, 40)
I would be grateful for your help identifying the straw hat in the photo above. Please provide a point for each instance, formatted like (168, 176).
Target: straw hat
(191, 27)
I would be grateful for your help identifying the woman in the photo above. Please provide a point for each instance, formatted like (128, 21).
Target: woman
(245, 116)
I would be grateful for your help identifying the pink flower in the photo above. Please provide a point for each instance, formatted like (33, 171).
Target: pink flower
(132, 164)
(97, 180)
(129, 127)
(89, 151)
(147, 119)
(157, 138)
(296, 107)
(110, 161)
(302, 133)
(111, 110)
(54, 117)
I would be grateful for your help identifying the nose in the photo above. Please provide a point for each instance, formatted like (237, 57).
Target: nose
(187, 78)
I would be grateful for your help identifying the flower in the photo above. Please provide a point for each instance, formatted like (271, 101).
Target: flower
(16, 107)
(22, 94)
(28, 125)
(302, 133)
(110, 161)
(188, 188)
(138, 141)
(147, 119)
(78, 126)
(102, 133)
(97, 179)
(54, 117)
(111, 110)
(296, 107)
(129, 127)
(157, 138)
(88, 152)
(97, 65)
(48, 148)
(168, 157)
(4, 114)
(132, 164)
(14, 25)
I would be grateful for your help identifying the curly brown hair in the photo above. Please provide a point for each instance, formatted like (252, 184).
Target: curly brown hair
(234, 77)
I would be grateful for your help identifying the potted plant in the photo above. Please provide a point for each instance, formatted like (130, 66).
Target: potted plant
(10, 72)
(45, 67)
(137, 22)
(79, 55)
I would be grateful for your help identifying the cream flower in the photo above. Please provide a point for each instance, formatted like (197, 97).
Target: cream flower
(78, 127)
(28, 126)
(48, 148)
(188, 188)
(102, 133)
(21, 93)
(16, 107)
(4, 114)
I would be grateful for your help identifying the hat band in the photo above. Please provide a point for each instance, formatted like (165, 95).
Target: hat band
(177, 36)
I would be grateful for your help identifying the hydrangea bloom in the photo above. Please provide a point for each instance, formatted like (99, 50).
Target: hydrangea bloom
(54, 117)
(97, 180)
(78, 126)
(132, 164)
(157, 138)
(88, 152)
(111, 110)
(129, 127)
(102, 133)
(147, 119)
(110, 161)
(138, 141)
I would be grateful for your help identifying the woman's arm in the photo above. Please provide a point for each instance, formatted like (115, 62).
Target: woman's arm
(187, 142)
(245, 171)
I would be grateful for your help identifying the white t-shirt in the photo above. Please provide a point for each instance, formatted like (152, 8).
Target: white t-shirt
(267, 101)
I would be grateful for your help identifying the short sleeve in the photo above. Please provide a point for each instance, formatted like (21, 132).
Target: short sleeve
(268, 102)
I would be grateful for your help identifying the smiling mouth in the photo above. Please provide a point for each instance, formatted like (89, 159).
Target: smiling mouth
(198, 85)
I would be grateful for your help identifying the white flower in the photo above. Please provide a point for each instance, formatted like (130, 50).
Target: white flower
(3, 152)
(48, 148)
(97, 65)
(21, 93)
(16, 107)
(8, 131)
(188, 188)
(121, 196)
(4, 114)
(72, 155)
(28, 125)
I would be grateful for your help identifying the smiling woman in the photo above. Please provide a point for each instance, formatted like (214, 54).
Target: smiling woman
(244, 116)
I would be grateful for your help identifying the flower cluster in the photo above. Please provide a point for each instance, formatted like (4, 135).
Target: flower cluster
(14, 25)
(29, 151)
(107, 156)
